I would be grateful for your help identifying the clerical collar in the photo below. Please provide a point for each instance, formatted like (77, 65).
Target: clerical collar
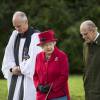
(24, 35)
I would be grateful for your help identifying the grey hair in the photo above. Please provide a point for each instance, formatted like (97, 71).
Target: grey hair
(22, 16)
(90, 24)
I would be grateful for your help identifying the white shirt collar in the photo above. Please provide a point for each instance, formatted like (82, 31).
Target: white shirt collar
(97, 34)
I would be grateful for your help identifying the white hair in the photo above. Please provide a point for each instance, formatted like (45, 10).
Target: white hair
(90, 24)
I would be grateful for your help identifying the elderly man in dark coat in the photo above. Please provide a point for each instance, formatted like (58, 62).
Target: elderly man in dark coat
(91, 55)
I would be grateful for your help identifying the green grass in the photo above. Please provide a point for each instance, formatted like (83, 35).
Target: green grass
(3, 90)
(75, 85)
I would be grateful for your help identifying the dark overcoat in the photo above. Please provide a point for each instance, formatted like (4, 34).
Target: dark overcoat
(91, 56)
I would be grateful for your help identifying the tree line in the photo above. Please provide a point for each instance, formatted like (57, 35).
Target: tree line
(64, 16)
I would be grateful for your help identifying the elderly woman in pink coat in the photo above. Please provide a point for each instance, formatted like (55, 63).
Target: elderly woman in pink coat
(51, 70)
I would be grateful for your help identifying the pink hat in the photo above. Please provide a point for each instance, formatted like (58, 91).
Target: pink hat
(46, 36)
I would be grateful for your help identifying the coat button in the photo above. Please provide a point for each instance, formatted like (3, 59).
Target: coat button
(96, 42)
(45, 82)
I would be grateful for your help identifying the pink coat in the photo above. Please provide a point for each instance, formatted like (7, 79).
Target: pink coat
(55, 72)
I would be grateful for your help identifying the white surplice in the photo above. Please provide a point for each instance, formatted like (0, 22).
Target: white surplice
(27, 67)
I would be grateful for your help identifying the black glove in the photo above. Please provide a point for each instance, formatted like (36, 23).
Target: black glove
(43, 89)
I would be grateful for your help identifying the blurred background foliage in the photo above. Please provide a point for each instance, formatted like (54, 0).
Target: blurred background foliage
(64, 16)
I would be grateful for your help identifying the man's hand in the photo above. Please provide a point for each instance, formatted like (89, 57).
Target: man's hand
(16, 70)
